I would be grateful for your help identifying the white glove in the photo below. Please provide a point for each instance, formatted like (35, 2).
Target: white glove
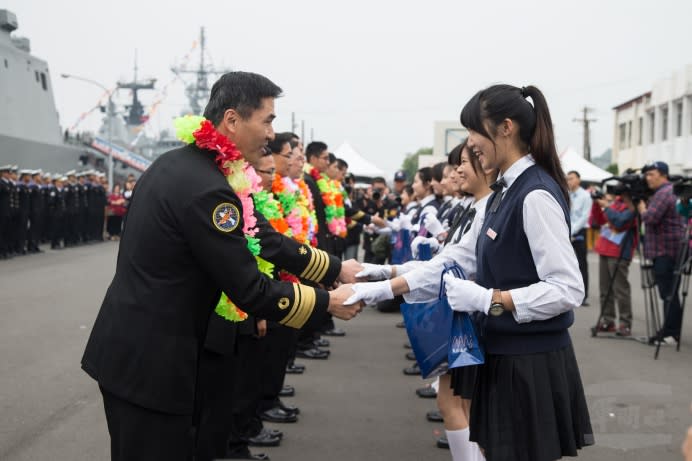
(395, 225)
(432, 241)
(405, 221)
(370, 293)
(467, 296)
(433, 225)
(375, 272)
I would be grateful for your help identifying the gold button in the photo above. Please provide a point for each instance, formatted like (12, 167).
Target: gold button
(283, 303)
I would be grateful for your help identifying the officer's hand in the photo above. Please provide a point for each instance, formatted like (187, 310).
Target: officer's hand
(261, 328)
(379, 222)
(336, 303)
(349, 269)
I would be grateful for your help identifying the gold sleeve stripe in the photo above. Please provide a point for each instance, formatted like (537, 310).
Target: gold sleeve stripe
(358, 215)
(308, 268)
(320, 260)
(296, 302)
(319, 263)
(303, 307)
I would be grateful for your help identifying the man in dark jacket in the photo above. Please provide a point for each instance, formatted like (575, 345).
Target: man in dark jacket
(182, 246)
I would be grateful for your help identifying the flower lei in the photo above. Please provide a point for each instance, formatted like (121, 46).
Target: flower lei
(245, 183)
(307, 206)
(297, 218)
(333, 203)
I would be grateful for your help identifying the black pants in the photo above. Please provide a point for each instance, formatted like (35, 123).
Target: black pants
(280, 343)
(228, 392)
(138, 433)
(664, 266)
(579, 246)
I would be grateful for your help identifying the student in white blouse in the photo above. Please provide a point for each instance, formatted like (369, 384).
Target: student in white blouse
(419, 281)
(529, 402)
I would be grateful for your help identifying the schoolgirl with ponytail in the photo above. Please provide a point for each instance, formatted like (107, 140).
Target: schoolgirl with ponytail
(528, 403)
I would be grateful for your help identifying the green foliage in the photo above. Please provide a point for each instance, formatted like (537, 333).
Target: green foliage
(613, 169)
(410, 164)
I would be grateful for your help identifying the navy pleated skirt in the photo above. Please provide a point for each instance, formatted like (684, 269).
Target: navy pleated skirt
(530, 407)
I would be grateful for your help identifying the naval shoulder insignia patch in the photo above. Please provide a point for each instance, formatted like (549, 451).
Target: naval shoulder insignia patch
(226, 217)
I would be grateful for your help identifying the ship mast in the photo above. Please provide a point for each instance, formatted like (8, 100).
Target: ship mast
(135, 116)
(198, 92)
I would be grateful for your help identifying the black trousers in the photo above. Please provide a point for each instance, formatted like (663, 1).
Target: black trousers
(664, 274)
(228, 392)
(579, 246)
(280, 343)
(138, 433)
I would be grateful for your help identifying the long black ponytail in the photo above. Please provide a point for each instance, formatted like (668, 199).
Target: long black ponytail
(499, 102)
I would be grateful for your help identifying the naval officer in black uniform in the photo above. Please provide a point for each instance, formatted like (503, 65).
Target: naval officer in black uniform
(174, 260)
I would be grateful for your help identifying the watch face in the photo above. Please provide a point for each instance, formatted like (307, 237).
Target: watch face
(496, 310)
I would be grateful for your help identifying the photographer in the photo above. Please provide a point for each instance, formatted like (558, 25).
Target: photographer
(664, 232)
(615, 247)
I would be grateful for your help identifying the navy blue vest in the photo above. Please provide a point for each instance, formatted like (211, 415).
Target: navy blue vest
(505, 262)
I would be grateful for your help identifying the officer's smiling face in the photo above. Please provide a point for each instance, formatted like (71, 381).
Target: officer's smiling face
(252, 134)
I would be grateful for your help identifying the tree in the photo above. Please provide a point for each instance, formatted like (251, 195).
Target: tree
(613, 169)
(410, 164)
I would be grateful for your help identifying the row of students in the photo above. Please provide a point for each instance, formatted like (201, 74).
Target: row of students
(524, 282)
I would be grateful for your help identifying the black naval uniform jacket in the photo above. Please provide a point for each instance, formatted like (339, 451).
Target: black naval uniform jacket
(176, 255)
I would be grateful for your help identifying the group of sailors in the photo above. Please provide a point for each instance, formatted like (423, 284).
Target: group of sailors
(40, 208)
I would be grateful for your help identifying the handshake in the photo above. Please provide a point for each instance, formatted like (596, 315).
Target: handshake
(348, 298)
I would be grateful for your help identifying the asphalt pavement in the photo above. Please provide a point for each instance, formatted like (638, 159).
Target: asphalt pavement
(355, 406)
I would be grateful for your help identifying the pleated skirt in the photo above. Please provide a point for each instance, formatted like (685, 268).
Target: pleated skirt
(463, 381)
(530, 407)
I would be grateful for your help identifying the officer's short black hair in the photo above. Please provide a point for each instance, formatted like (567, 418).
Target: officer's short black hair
(277, 144)
(314, 149)
(241, 91)
(341, 163)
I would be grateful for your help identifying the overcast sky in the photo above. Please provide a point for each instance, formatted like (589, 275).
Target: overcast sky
(377, 74)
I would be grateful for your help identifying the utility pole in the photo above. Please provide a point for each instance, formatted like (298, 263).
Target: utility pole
(293, 122)
(587, 137)
(302, 131)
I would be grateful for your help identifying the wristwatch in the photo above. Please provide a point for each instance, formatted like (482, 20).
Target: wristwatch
(496, 306)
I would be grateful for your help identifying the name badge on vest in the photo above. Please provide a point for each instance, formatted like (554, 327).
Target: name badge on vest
(491, 233)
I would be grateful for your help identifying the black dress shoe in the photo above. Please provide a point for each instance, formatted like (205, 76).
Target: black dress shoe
(246, 455)
(407, 345)
(410, 356)
(321, 342)
(401, 325)
(426, 392)
(277, 415)
(434, 416)
(294, 370)
(289, 408)
(442, 442)
(287, 391)
(335, 332)
(313, 353)
(412, 370)
(274, 432)
(264, 439)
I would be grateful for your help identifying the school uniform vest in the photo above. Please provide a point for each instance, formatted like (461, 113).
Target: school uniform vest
(505, 262)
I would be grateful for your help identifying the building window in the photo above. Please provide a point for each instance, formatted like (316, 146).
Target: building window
(44, 83)
(678, 118)
(664, 123)
(629, 133)
(7, 64)
(37, 79)
(640, 131)
(623, 135)
(652, 127)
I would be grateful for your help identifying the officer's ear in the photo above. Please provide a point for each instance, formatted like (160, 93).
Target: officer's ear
(230, 121)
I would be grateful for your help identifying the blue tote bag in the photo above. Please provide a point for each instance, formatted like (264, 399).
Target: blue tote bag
(464, 348)
(428, 326)
(401, 247)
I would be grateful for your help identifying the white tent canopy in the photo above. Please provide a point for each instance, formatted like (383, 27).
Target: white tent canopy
(357, 164)
(572, 161)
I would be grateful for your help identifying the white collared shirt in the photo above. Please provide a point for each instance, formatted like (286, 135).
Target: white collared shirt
(423, 277)
(561, 287)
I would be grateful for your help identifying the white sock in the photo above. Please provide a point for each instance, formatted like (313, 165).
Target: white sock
(459, 445)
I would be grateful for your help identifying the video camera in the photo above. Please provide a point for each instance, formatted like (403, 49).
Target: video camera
(682, 187)
(631, 183)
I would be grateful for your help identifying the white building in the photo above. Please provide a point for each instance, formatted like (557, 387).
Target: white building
(656, 125)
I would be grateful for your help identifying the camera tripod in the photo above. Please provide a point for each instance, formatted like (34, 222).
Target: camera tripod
(681, 281)
(648, 286)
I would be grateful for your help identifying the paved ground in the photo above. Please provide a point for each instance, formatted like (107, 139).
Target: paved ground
(355, 406)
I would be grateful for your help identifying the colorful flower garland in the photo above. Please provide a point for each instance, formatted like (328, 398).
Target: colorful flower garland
(246, 184)
(333, 203)
(297, 216)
